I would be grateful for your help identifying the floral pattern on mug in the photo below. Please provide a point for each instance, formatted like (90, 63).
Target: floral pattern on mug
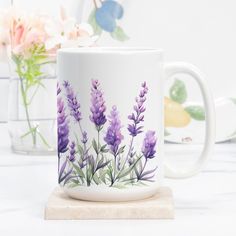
(178, 112)
(104, 159)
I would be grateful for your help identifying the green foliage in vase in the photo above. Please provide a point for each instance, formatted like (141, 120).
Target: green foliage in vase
(28, 68)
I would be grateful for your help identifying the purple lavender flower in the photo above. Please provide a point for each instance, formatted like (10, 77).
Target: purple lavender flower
(72, 152)
(84, 137)
(113, 135)
(132, 153)
(98, 107)
(119, 163)
(149, 144)
(62, 127)
(72, 101)
(137, 116)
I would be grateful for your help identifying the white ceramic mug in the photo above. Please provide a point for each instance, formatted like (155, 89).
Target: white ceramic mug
(110, 122)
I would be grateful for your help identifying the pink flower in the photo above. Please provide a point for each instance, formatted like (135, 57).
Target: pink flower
(23, 31)
(27, 32)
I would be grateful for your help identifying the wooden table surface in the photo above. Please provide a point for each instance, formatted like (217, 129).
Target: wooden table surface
(204, 205)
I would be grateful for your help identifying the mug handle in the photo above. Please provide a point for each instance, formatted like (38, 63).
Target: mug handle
(171, 69)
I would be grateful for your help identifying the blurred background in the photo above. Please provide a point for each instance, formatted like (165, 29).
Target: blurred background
(201, 32)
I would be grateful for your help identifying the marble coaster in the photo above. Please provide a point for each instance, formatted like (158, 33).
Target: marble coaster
(61, 207)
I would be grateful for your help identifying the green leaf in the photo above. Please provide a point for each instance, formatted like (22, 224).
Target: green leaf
(43, 139)
(73, 185)
(79, 171)
(119, 186)
(96, 179)
(196, 112)
(178, 92)
(140, 164)
(89, 173)
(79, 147)
(102, 175)
(233, 100)
(103, 149)
(80, 150)
(110, 171)
(75, 181)
(119, 34)
(136, 171)
(121, 150)
(31, 131)
(95, 146)
(92, 21)
(128, 170)
(140, 183)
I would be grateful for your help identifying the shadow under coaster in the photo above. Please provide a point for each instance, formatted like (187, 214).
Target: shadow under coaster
(60, 207)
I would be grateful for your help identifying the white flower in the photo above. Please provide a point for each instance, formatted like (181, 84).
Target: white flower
(67, 33)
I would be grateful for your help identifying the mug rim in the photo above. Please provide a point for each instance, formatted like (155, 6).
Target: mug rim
(110, 50)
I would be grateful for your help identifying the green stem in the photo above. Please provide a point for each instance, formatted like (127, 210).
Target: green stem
(118, 175)
(113, 178)
(47, 62)
(58, 163)
(96, 162)
(85, 153)
(98, 138)
(145, 163)
(27, 112)
(35, 91)
(128, 154)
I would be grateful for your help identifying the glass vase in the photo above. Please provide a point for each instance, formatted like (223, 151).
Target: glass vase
(32, 105)
(4, 84)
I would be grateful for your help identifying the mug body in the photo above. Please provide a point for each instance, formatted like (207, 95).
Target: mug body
(110, 123)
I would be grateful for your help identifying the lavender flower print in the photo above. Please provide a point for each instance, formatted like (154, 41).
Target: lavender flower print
(74, 108)
(73, 103)
(113, 139)
(72, 152)
(149, 144)
(148, 151)
(102, 161)
(62, 127)
(113, 136)
(84, 139)
(63, 137)
(98, 107)
(137, 116)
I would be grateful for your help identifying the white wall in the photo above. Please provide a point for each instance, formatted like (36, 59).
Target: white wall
(3, 82)
(202, 32)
